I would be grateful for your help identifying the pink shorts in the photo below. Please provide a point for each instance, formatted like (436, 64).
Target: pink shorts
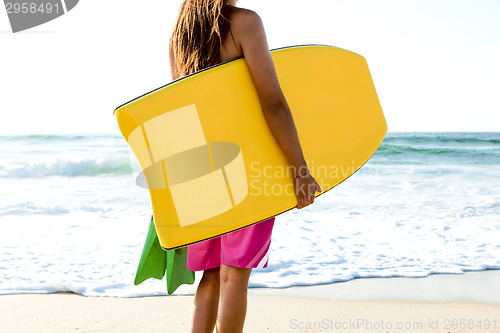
(244, 248)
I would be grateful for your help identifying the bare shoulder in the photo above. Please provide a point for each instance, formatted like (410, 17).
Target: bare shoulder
(244, 19)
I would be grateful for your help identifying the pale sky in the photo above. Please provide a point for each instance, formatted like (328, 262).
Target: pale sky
(435, 63)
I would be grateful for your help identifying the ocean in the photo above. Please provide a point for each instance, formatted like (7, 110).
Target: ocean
(73, 220)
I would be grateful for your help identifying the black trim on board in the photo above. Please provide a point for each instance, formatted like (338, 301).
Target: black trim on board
(222, 63)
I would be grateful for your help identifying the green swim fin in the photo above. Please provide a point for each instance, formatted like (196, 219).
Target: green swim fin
(177, 273)
(155, 261)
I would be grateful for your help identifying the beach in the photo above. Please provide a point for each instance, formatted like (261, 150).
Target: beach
(360, 305)
(411, 237)
(73, 219)
(408, 243)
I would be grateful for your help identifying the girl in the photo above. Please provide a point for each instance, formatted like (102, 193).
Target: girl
(208, 32)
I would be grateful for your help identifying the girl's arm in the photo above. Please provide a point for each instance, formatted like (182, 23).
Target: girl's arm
(252, 38)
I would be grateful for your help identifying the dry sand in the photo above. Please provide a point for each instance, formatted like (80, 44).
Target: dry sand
(281, 312)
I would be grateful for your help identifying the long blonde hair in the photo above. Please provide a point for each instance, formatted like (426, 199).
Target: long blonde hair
(198, 34)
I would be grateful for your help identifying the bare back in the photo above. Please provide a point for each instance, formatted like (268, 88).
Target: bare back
(231, 48)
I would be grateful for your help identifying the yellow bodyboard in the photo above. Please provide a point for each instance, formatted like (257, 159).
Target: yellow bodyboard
(210, 161)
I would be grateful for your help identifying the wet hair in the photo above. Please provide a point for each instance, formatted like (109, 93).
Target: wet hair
(198, 34)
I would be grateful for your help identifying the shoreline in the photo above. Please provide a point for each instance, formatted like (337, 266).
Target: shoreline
(388, 305)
